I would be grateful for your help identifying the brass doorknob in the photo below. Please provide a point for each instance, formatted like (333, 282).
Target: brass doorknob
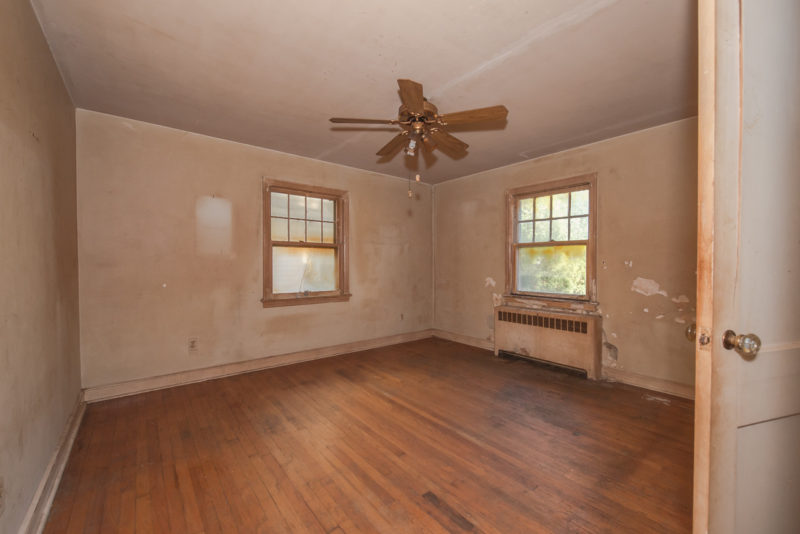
(747, 345)
(691, 332)
(691, 335)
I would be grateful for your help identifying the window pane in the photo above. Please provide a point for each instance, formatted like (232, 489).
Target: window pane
(579, 228)
(328, 210)
(525, 232)
(542, 231)
(279, 206)
(297, 206)
(560, 230)
(297, 230)
(314, 233)
(559, 270)
(580, 203)
(279, 229)
(561, 205)
(525, 209)
(543, 207)
(298, 269)
(314, 206)
(327, 232)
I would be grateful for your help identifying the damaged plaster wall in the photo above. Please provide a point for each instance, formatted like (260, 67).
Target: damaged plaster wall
(39, 358)
(170, 250)
(646, 245)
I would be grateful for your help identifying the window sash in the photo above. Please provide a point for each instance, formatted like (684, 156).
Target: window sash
(340, 200)
(570, 185)
(552, 244)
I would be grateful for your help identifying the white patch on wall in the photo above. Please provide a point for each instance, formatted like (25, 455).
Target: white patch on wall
(682, 298)
(646, 310)
(497, 299)
(629, 263)
(213, 226)
(489, 282)
(659, 316)
(679, 320)
(647, 287)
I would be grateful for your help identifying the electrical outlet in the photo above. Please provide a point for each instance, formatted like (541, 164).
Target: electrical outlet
(194, 344)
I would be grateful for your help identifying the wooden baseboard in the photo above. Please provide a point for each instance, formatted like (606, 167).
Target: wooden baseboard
(122, 389)
(39, 509)
(466, 340)
(648, 382)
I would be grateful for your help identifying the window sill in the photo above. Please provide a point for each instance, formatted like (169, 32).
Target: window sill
(548, 303)
(300, 301)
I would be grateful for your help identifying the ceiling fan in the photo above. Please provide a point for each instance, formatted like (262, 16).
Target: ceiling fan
(423, 126)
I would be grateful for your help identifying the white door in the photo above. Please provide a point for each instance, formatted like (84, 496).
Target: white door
(747, 420)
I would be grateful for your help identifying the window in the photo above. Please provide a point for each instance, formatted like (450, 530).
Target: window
(305, 245)
(551, 229)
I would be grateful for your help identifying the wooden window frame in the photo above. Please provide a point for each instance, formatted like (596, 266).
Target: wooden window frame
(558, 186)
(340, 245)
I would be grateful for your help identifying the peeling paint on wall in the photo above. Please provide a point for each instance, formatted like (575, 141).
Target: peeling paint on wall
(647, 287)
(490, 282)
(497, 299)
(681, 298)
(610, 354)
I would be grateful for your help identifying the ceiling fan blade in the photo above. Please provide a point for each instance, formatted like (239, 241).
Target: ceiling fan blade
(392, 146)
(447, 142)
(428, 141)
(411, 95)
(347, 120)
(493, 113)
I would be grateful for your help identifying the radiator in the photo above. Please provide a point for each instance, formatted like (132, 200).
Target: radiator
(561, 338)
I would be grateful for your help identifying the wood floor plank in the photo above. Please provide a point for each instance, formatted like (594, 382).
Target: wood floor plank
(428, 436)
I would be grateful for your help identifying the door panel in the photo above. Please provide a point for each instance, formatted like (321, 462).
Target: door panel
(768, 392)
(747, 421)
(769, 386)
(768, 473)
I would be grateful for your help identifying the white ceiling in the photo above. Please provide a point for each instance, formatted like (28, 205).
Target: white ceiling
(271, 73)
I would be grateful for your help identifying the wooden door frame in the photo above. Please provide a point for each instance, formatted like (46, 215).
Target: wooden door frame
(719, 175)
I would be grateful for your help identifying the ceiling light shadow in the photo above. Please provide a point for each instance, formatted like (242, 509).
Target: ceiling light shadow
(478, 126)
(363, 129)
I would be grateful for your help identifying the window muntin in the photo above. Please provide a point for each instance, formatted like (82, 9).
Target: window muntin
(551, 245)
(305, 251)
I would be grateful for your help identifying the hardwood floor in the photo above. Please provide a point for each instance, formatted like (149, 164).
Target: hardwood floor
(429, 436)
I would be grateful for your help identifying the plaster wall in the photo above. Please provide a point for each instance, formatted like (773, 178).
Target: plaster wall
(151, 277)
(647, 223)
(39, 354)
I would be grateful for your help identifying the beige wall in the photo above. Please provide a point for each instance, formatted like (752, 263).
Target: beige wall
(646, 229)
(147, 286)
(39, 362)
(148, 281)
